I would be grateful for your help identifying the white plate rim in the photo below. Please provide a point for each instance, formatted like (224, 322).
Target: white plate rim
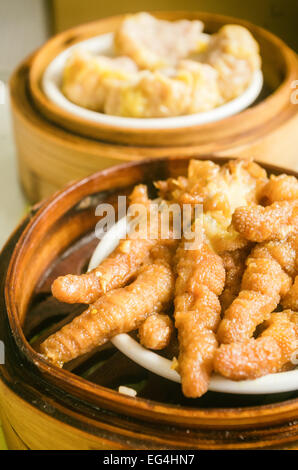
(271, 383)
(51, 81)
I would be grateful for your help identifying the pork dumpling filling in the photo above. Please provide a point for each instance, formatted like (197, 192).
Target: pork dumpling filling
(153, 44)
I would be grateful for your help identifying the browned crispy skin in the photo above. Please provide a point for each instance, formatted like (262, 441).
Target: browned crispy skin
(234, 263)
(290, 300)
(248, 288)
(263, 282)
(115, 271)
(280, 188)
(156, 331)
(190, 189)
(201, 277)
(194, 188)
(267, 354)
(219, 190)
(283, 251)
(119, 311)
(259, 224)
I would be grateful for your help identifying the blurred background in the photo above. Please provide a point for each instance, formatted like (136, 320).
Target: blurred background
(26, 24)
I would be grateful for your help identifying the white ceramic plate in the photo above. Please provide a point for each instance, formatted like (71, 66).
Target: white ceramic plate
(272, 383)
(52, 80)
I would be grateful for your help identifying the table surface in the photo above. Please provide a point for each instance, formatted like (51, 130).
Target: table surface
(12, 201)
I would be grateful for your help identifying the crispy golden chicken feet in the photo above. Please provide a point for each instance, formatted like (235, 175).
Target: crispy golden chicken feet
(152, 43)
(156, 331)
(278, 219)
(274, 222)
(119, 311)
(280, 188)
(264, 282)
(290, 300)
(115, 271)
(220, 190)
(267, 354)
(242, 260)
(272, 264)
(234, 263)
(201, 277)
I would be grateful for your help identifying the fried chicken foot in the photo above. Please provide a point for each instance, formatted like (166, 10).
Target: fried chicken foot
(119, 311)
(280, 188)
(115, 271)
(263, 283)
(290, 300)
(259, 224)
(221, 190)
(267, 354)
(201, 277)
(156, 331)
(234, 263)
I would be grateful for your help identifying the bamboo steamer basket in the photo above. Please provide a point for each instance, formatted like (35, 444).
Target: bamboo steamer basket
(78, 407)
(277, 76)
(55, 147)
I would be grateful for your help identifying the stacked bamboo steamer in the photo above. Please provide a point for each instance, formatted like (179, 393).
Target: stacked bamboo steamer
(54, 147)
(78, 406)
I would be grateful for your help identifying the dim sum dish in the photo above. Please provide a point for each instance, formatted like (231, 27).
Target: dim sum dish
(183, 315)
(141, 77)
(123, 80)
(261, 244)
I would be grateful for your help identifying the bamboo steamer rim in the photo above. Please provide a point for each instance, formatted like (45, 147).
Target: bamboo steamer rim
(49, 130)
(244, 122)
(138, 407)
(23, 108)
